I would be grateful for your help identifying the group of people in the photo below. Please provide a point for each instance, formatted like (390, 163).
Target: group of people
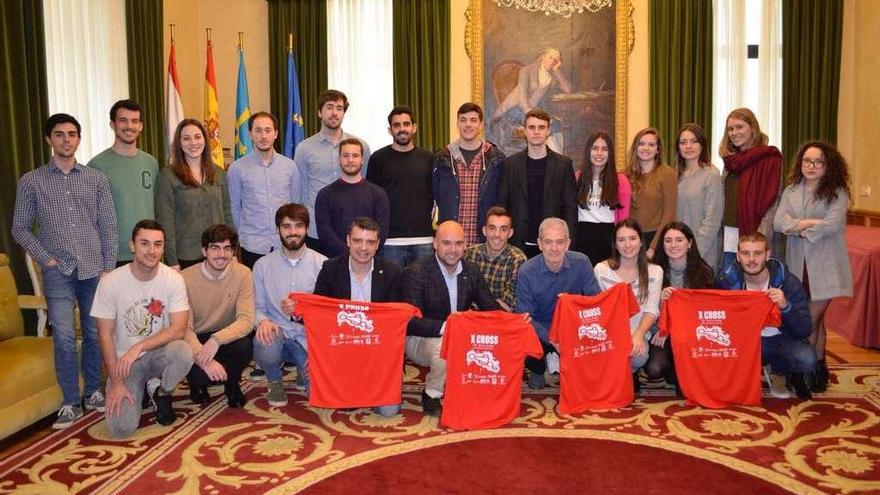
(463, 228)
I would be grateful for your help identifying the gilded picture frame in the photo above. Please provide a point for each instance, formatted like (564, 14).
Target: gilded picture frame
(507, 44)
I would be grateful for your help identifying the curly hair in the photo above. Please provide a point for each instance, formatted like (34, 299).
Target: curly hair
(697, 273)
(836, 175)
(608, 179)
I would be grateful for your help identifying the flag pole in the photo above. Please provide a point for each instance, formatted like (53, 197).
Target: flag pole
(240, 41)
(208, 30)
(172, 34)
(289, 42)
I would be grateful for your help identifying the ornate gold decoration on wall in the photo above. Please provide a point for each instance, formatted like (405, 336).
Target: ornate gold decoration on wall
(624, 40)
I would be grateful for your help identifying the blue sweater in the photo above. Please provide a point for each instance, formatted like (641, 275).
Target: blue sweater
(796, 320)
(339, 203)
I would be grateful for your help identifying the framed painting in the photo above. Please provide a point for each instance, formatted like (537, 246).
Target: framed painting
(567, 58)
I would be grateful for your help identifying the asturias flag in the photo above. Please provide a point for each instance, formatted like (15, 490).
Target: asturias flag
(173, 106)
(242, 111)
(212, 110)
(293, 129)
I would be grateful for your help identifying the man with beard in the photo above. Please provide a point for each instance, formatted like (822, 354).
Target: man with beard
(349, 197)
(317, 156)
(221, 293)
(259, 183)
(141, 311)
(785, 352)
(73, 207)
(132, 173)
(466, 175)
(439, 285)
(293, 268)
(403, 170)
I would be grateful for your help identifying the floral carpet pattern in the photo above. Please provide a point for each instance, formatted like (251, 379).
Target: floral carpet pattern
(828, 445)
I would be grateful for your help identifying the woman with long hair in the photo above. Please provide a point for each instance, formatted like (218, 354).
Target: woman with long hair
(752, 180)
(191, 195)
(683, 268)
(654, 186)
(629, 264)
(603, 196)
(812, 215)
(700, 191)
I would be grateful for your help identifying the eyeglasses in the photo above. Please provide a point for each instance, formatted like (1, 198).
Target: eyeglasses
(811, 163)
(215, 249)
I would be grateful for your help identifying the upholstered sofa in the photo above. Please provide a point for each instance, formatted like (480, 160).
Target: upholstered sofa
(28, 388)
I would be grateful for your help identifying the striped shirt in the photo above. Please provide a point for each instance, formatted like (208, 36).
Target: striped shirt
(77, 222)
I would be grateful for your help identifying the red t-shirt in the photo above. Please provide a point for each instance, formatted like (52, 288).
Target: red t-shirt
(716, 341)
(595, 343)
(485, 352)
(355, 350)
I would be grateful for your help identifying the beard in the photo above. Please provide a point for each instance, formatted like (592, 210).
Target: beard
(293, 244)
(403, 138)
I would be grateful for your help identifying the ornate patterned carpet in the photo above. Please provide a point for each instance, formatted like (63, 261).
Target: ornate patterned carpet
(828, 445)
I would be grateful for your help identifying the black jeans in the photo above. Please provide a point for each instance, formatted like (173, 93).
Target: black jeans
(234, 356)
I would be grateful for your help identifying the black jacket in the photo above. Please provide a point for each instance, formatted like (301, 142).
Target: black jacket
(560, 193)
(334, 280)
(425, 288)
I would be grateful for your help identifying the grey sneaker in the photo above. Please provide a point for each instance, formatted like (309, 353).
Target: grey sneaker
(67, 415)
(276, 396)
(95, 402)
(257, 375)
(778, 387)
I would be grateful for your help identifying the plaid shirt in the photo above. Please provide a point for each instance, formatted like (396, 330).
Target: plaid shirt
(500, 273)
(76, 219)
(469, 191)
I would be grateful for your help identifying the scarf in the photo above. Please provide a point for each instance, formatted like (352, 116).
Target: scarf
(760, 174)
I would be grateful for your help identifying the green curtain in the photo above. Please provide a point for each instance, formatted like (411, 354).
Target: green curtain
(25, 106)
(811, 42)
(421, 66)
(143, 31)
(307, 21)
(681, 68)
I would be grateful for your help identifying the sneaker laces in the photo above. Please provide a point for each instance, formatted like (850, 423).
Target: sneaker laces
(66, 411)
(96, 396)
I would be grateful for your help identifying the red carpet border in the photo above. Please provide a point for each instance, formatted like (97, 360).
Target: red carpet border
(827, 445)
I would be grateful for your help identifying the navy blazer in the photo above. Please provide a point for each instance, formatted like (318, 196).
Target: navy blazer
(334, 280)
(425, 288)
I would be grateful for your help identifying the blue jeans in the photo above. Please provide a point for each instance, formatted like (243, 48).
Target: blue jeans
(271, 357)
(787, 355)
(63, 292)
(404, 255)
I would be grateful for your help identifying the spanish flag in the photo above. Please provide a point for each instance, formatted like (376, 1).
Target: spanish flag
(212, 110)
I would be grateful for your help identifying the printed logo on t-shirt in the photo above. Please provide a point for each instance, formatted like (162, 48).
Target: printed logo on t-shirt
(592, 330)
(355, 319)
(143, 317)
(711, 330)
(483, 359)
(486, 369)
(355, 327)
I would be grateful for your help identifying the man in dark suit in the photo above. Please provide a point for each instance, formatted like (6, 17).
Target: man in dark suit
(359, 275)
(537, 183)
(438, 285)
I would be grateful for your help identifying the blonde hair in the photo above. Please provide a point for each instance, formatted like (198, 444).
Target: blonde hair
(726, 148)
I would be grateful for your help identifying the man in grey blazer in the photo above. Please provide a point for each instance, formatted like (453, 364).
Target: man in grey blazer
(537, 183)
